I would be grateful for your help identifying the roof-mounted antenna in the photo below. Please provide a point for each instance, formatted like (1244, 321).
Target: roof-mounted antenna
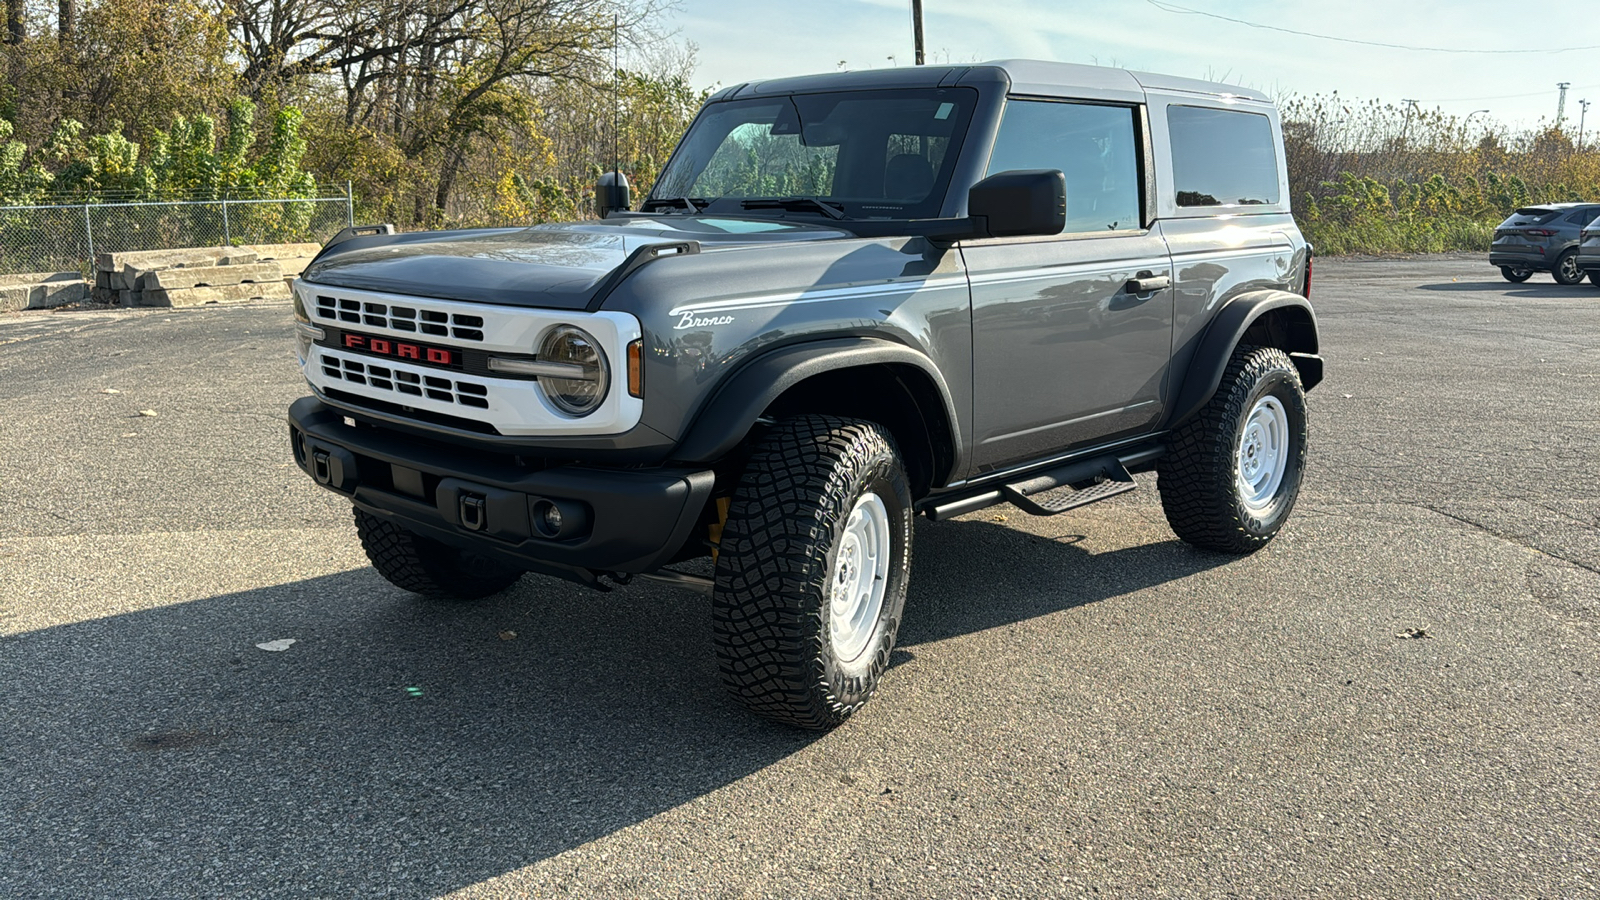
(612, 193)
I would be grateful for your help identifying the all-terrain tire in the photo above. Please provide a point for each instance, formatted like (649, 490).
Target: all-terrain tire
(779, 560)
(425, 566)
(1515, 276)
(1202, 477)
(1565, 270)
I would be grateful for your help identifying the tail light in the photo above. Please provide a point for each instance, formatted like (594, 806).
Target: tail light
(1584, 235)
(1541, 232)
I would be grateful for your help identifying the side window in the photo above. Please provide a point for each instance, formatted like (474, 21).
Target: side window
(1222, 157)
(1093, 145)
(1581, 217)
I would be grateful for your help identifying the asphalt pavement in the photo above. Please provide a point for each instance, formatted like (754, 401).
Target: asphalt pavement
(1397, 698)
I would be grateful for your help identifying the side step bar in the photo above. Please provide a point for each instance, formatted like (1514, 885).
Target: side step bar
(1109, 472)
(1022, 494)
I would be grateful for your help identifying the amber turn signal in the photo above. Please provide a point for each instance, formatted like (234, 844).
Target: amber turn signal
(636, 368)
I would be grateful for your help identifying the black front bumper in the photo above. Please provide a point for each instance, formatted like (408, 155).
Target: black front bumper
(613, 520)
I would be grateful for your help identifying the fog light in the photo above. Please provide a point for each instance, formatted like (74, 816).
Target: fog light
(558, 520)
(550, 518)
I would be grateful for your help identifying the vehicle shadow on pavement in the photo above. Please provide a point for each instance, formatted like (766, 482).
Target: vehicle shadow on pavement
(404, 748)
(970, 576)
(399, 748)
(1542, 291)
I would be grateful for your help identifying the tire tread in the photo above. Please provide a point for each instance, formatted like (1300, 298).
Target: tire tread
(772, 567)
(1194, 475)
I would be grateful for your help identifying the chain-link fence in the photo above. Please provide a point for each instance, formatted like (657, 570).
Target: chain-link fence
(63, 238)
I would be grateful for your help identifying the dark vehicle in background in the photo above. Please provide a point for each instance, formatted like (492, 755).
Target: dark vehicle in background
(1542, 238)
(1589, 251)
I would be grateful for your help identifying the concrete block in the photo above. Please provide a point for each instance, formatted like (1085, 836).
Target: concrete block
(48, 289)
(40, 278)
(293, 267)
(211, 276)
(128, 267)
(103, 295)
(281, 252)
(15, 296)
(136, 276)
(201, 296)
(58, 293)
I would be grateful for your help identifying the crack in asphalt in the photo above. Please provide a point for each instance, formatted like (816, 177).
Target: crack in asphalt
(1508, 538)
(38, 509)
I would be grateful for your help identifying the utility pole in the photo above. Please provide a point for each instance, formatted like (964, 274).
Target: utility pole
(1583, 113)
(1404, 128)
(916, 27)
(1561, 104)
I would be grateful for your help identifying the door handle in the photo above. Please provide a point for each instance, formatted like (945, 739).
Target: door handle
(1149, 284)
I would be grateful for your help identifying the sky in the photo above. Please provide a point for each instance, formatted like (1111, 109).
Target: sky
(747, 40)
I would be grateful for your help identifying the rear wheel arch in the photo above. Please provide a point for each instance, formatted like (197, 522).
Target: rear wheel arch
(1269, 318)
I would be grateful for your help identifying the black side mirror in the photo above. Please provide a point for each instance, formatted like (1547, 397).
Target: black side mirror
(611, 194)
(1019, 202)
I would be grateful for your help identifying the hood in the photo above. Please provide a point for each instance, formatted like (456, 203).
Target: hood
(546, 266)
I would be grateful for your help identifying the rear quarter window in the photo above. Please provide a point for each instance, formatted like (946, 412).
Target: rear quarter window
(1222, 157)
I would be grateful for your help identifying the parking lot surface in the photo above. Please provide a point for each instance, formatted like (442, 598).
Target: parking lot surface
(1081, 705)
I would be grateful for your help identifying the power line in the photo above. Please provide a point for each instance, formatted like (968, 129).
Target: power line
(1580, 87)
(1174, 8)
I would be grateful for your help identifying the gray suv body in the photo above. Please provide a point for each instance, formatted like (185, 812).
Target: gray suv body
(1589, 250)
(850, 299)
(1543, 238)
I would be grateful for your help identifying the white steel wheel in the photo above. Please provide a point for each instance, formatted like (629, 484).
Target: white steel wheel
(1263, 453)
(859, 579)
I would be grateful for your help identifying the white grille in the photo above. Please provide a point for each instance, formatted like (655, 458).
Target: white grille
(403, 381)
(509, 406)
(415, 319)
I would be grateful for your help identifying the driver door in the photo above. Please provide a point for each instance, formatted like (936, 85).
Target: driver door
(1072, 333)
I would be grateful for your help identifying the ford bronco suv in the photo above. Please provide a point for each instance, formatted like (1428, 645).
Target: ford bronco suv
(849, 299)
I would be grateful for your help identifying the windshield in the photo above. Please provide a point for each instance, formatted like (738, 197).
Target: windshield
(863, 154)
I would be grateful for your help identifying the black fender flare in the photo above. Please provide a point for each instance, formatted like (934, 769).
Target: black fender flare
(746, 392)
(1226, 330)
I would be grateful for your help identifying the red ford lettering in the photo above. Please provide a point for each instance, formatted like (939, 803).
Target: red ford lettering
(437, 356)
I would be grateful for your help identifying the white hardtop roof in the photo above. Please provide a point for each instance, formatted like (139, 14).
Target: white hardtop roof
(1039, 76)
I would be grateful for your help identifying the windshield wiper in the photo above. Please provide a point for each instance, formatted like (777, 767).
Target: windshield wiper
(797, 204)
(688, 204)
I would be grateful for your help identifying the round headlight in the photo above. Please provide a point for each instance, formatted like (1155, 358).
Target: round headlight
(581, 392)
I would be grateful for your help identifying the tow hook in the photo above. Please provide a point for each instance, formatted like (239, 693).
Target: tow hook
(472, 511)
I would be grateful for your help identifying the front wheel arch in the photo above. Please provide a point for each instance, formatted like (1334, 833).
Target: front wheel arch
(866, 378)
